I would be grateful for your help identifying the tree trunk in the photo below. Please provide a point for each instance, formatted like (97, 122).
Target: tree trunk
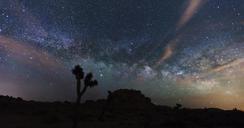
(77, 104)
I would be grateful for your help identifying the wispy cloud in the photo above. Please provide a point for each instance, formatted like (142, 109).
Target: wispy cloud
(27, 54)
(191, 9)
(168, 52)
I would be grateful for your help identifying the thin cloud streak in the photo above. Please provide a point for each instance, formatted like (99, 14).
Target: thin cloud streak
(27, 54)
(191, 9)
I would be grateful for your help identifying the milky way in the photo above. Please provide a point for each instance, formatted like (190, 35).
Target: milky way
(182, 51)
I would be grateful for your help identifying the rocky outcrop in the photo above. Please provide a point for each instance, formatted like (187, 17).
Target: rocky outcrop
(128, 99)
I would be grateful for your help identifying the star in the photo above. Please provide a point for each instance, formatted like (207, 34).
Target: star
(169, 50)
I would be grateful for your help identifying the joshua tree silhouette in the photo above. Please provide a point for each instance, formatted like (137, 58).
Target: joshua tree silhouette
(88, 82)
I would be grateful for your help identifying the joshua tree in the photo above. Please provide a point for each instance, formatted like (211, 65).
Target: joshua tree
(79, 74)
(88, 82)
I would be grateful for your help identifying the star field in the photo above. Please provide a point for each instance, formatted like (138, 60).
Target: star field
(181, 51)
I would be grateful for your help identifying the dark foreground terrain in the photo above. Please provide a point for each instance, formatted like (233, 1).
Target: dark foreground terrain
(123, 109)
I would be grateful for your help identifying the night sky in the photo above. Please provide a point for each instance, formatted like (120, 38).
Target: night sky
(174, 51)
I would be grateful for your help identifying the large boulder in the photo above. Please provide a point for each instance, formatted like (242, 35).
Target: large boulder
(128, 99)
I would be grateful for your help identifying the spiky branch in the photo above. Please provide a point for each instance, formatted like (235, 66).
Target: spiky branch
(88, 82)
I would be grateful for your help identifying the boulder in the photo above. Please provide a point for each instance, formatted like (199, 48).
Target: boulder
(128, 99)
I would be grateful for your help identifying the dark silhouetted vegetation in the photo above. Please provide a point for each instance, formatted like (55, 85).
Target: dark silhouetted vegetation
(178, 106)
(88, 82)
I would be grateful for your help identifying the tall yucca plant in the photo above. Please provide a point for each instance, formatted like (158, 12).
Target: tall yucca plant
(88, 82)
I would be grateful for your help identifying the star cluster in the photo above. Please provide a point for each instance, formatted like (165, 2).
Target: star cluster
(188, 52)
